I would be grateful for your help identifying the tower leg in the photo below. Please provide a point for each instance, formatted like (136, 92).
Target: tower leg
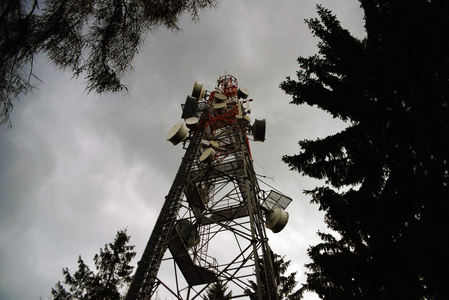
(212, 220)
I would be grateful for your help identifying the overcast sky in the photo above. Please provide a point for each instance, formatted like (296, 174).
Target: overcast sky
(75, 168)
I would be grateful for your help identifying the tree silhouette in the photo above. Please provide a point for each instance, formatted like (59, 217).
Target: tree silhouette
(386, 176)
(113, 273)
(96, 39)
(217, 291)
(285, 284)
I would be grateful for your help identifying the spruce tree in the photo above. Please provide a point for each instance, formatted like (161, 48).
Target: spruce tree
(218, 291)
(112, 275)
(385, 193)
(285, 283)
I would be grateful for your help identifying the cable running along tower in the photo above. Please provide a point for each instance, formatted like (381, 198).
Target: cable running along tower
(212, 224)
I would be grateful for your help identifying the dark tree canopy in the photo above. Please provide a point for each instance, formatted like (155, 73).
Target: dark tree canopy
(112, 276)
(96, 39)
(386, 176)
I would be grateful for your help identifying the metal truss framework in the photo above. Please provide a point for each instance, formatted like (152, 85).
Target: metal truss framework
(212, 221)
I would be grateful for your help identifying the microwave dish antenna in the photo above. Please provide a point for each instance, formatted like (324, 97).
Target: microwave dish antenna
(212, 225)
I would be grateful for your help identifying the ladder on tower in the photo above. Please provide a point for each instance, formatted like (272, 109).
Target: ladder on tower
(143, 283)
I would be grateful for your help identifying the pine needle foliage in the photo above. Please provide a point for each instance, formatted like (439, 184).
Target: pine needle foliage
(285, 283)
(386, 176)
(108, 281)
(93, 39)
(218, 291)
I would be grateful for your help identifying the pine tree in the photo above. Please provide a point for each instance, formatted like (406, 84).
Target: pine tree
(285, 284)
(96, 39)
(386, 176)
(217, 291)
(113, 273)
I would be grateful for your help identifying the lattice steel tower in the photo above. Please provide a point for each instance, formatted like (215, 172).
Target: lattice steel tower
(213, 219)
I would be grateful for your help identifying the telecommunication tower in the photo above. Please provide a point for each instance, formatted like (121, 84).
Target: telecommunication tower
(212, 224)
